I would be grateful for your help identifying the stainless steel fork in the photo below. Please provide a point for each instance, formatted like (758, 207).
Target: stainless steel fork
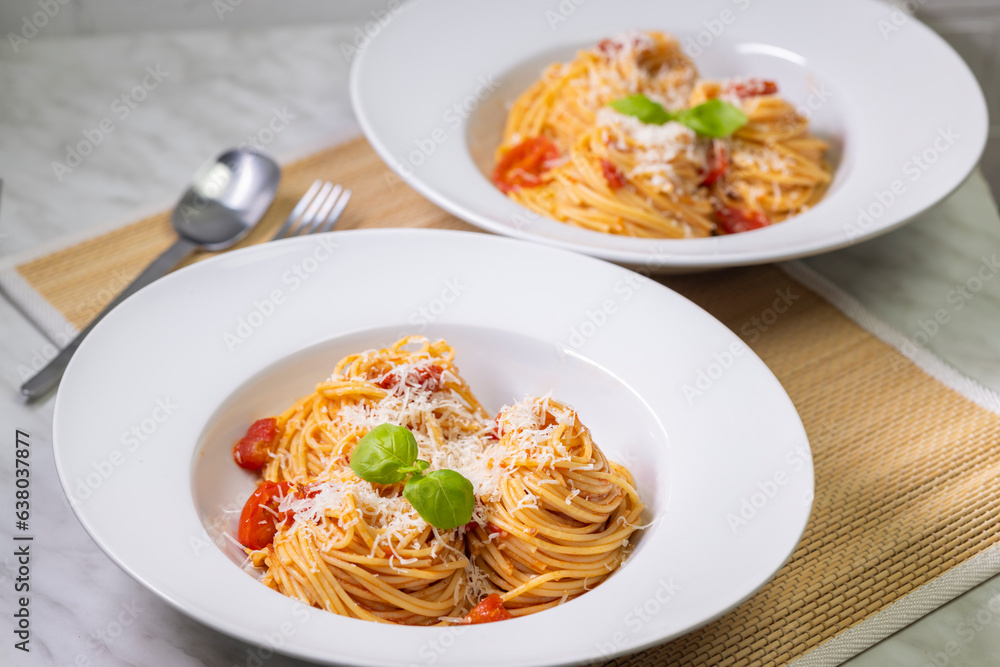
(318, 211)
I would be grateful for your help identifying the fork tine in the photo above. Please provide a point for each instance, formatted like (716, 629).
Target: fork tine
(297, 211)
(310, 213)
(331, 221)
(325, 209)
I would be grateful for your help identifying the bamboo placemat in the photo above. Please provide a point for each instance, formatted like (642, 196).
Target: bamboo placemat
(905, 466)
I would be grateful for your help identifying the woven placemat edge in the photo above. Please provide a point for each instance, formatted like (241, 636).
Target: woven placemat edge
(70, 239)
(961, 578)
(924, 359)
(850, 643)
(35, 308)
(904, 611)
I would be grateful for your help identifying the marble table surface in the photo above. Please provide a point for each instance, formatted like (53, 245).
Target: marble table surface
(214, 89)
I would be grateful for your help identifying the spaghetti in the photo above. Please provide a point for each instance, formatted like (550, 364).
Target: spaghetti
(560, 521)
(567, 154)
(552, 516)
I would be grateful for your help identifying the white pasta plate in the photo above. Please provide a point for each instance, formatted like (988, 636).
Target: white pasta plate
(905, 118)
(151, 404)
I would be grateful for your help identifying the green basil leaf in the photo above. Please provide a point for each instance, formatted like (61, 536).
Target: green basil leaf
(714, 118)
(643, 108)
(382, 452)
(443, 498)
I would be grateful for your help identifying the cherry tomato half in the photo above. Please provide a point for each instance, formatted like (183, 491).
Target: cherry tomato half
(489, 610)
(736, 220)
(718, 162)
(253, 450)
(523, 165)
(752, 88)
(612, 174)
(427, 378)
(260, 517)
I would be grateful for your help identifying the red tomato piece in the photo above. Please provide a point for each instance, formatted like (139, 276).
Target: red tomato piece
(607, 47)
(489, 610)
(523, 165)
(260, 517)
(307, 490)
(611, 47)
(492, 529)
(736, 220)
(427, 378)
(253, 450)
(751, 88)
(612, 174)
(718, 162)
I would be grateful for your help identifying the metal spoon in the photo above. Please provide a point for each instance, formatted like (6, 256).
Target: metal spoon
(226, 200)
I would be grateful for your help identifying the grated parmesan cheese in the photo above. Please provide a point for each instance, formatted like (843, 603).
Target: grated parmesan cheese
(659, 146)
(764, 159)
(341, 502)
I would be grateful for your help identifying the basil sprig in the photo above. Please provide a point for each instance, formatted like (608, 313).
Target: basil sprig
(388, 454)
(443, 498)
(714, 118)
(643, 108)
(382, 453)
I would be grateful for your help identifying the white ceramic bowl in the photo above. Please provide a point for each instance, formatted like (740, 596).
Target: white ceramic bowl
(150, 405)
(904, 114)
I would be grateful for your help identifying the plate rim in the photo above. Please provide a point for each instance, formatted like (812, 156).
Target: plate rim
(220, 623)
(664, 260)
